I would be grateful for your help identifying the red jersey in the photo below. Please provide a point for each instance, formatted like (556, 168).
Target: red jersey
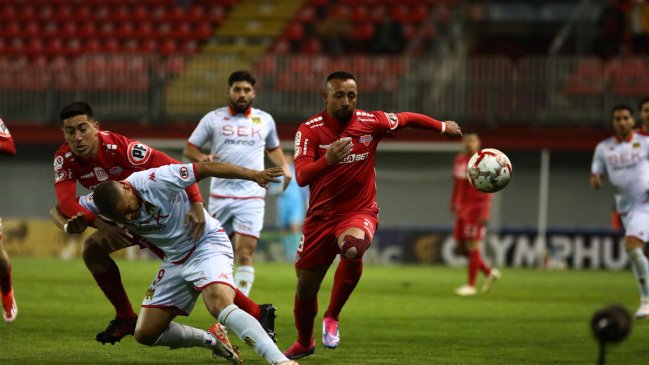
(641, 131)
(117, 158)
(468, 202)
(349, 186)
(7, 145)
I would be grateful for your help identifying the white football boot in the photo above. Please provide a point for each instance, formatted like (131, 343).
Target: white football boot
(643, 311)
(466, 291)
(492, 278)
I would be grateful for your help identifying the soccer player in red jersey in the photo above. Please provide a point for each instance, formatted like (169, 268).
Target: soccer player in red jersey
(9, 308)
(471, 208)
(643, 129)
(91, 156)
(334, 154)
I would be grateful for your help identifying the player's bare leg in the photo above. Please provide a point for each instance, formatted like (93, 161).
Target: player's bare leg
(305, 310)
(244, 275)
(640, 267)
(219, 300)
(96, 255)
(9, 308)
(352, 243)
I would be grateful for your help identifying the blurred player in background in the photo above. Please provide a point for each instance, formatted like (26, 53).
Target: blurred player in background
(471, 209)
(335, 152)
(290, 211)
(153, 204)
(9, 308)
(643, 129)
(239, 134)
(624, 158)
(91, 156)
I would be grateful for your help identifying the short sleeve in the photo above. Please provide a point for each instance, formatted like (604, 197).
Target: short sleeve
(202, 133)
(164, 180)
(598, 167)
(387, 123)
(62, 170)
(305, 145)
(272, 140)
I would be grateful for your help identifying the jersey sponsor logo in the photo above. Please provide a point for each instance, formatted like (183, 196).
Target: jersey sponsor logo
(298, 139)
(59, 175)
(101, 174)
(256, 120)
(366, 139)
(184, 173)
(138, 153)
(58, 163)
(115, 170)
(354, 157)
(239, 142)
(152, 176)
(111, 147)
(89, 175)
(393, 120)
(324, 146)
(241, 131)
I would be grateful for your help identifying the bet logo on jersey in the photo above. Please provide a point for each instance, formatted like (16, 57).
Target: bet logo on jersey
(138, 153)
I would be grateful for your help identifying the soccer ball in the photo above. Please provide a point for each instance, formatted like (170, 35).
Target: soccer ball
(489, 170)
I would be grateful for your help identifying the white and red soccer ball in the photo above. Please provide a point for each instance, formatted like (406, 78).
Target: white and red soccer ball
(489, 170)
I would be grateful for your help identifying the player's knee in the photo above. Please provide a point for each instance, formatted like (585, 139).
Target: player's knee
(145, 337)
(353, 247)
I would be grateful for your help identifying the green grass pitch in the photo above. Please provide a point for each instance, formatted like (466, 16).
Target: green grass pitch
(397, 315)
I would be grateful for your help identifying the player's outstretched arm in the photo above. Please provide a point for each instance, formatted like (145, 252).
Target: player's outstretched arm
(415, 120)
(229, 171)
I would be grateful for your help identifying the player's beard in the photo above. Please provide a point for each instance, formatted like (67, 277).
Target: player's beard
(344, 115)
(240, 108)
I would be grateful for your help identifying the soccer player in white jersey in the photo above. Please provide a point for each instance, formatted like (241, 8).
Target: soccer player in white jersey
(239, 134)
(624, 158)
(153, 204)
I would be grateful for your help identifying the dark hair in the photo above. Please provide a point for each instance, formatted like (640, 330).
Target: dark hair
(340, 75)
(620, 107)
(105, 196)
(74, 109)
(643, 101)
(241, 75)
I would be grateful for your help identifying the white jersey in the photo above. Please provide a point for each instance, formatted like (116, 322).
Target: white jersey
(627, 165)
(164, 207)
(238, 139)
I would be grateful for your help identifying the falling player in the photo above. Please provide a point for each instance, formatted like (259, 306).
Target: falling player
(91, 156)
(153, 204)
(624, 158)
(239, 134)
(471, 208)
(9, 308)
(334, 154)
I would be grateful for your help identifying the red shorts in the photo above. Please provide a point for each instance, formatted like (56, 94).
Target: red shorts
(319, 245)
(466, 230)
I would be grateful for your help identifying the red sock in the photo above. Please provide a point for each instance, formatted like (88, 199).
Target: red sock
(347, 276)
(305, 311)
(110, 282)
(245, 303)
(5, 279)
(486, 269)
(474, 266)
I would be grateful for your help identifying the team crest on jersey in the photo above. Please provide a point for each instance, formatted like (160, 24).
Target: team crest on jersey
(184, 173)
(59, 176)
(150, 293)
(100, 174)
(393, 120)
(636, 144)
(256, 120)
(58, 162)
(298, 149)
(3, 128)
(366, 139)
(138, 153)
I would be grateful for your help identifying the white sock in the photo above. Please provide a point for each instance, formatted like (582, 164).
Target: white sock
(250, 331)
(640, 267)
(244, 276)
(178, 336)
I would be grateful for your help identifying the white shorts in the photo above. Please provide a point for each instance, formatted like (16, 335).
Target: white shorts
(636, 222)
(243, 216)
(177, 286)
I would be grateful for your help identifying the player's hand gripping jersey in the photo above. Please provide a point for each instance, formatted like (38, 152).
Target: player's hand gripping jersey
(117, 158)
(349, 186)
(626, 162)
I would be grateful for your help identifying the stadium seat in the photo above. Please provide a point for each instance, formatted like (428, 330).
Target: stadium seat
(8, 13)
(294, 32)
(88, 30)
(63, 14)
(26, 13)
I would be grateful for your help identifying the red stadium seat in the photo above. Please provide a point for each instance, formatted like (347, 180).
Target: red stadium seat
(54, 48)
(281, 47)
(91, 45)
(107, 30)
(169, 47)
(311, 46)
(150, 45)
(144, 30)
(216, 14)
(112, 45)
(361, 14)
(196, 14)
(294, 32)
(26, 13)
(363, 32)
(306, 15)
(182, 31)
(202, 31)
(140, 14)
(121, 14)
(82, 13)
(11, 30)
(124, 31)
(34, 47)
(67, 30)
(175, 15)
(63, 14)
(31, 29)
(88, 30)
(8, 13)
